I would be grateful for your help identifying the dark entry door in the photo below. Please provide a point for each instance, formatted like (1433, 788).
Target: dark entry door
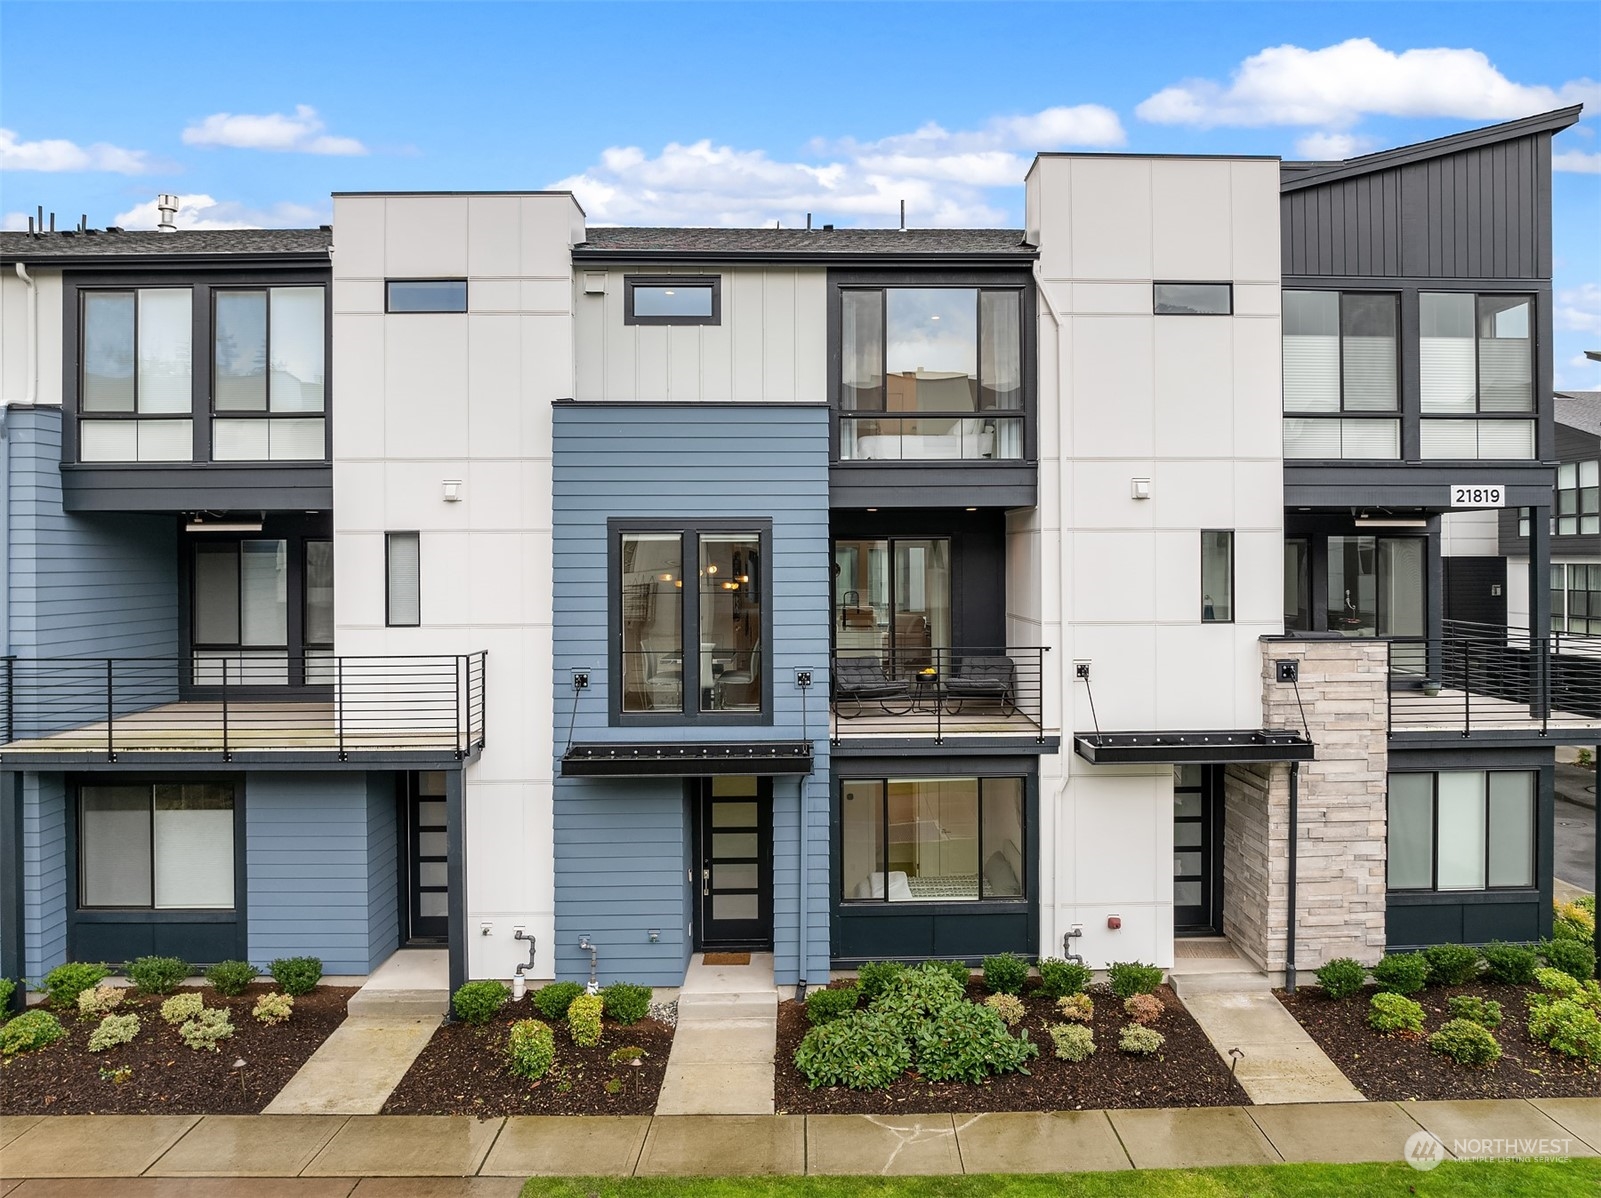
(1475, 589)
(427, 856)
(1197, 850)
(734, 828)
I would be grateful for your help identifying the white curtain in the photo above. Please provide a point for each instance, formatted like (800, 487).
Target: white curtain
(1461, 830)
(166, 329)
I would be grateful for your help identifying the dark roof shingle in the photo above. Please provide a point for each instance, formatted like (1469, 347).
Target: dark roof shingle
(624, 242)
(1580, 410)
(148, 243)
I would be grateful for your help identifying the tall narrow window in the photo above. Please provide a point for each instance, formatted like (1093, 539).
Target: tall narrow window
(1297, 586)
(1411, 823)
(1217, 577)
(652, 570)
(730, 622)
(136, 393)
(403, 564)
(240, 626)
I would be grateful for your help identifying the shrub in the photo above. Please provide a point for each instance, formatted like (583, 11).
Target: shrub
(1342, 977)
(477, 1002)
(1005, 973)
(1555, 984)
(1451, 964)
(207, 1029)
(530, 1049)
(273, 1008)
(7, 989)
(875, 976)
(113, 1030)
(1060, 978)
(1009, 1007)
(1466, 1043)
(1572, 957)
(229, 978)
(627, 1055)
(1484, 1012)
(554, 999)
(1143, 1009)
(1129, 978)
(1074, 1042)
(1511, 963)
(967, 1042)
(913, 995)
(64, 983)
(583, 1020)
(1391, 1012)
(101, 1000)
(626, 1002)
(862, 1051)
(1564, 1025)
(181, 1008)
(1077, 1008)
(28, 1031)
(1571, 921)
(1139, 1041)
(157, 975)
(296, 975)
(960, 973)
(1402, 973)
(825, 1006)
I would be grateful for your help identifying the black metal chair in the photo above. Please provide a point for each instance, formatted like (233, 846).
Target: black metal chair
(982, 677)
(861, 680)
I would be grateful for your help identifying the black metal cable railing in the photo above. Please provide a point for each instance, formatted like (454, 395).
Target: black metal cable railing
(919, 690)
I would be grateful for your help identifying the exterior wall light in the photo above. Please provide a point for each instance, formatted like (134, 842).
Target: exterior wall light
(452, 490)
(1140, 488)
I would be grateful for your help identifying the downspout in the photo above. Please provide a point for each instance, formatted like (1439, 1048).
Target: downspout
(1048, 876)
(32, 395)
(1289, 930)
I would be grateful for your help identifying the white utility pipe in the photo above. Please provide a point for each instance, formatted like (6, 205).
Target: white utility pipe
(32, 395)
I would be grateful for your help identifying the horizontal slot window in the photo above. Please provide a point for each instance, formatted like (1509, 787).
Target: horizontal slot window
(1193, 299)
(425, 295)
(687, 300)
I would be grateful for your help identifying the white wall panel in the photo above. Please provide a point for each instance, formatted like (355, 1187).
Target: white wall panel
(1110, 225)
(1190, 220)
(494, 237)
(424, 237)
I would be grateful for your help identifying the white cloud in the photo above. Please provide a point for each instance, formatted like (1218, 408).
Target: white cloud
(1578, 373)
(942, 175)
(57, 154)
(1328, 147)
(1579, 308)
(14, 222)
(204, 212)
(1577, 161)
(1338, 85)
(301, 133)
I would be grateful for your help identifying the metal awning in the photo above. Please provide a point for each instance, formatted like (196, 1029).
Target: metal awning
(1192, 748)
(761, 758)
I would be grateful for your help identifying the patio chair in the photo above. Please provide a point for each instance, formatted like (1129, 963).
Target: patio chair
(982, 677)
(861, 680)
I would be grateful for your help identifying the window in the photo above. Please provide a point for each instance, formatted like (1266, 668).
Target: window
(1575, 598)
(136, 396)
(1297, 586)
(1375, 585)
(1340, 360)
(695, 651)
(1462, 830)
(240, 626)
(267, 375)
(1217, 577)
(403, 573)
(931, 373)
(1578, 499)
(892, 600)
(1476, 361)
(1194, 299)
(932, 840)
(672, 300)
(156, 846)
(425, 295)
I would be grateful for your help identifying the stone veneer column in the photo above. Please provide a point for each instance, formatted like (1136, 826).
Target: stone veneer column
(1341, 852)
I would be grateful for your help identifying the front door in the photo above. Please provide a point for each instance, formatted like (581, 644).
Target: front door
(734, 831)
(427, 856)
(1197, 850)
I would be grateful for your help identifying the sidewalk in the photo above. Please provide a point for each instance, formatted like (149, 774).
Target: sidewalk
(330, 1154)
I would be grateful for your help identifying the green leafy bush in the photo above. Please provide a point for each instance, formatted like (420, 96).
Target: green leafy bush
(1009, 1007)
(1572, 957)
(1451, 964)
(1144, 1009)
(1074, 1042)
(1390, 1012)
(825, 1006)
(113, 1030)
(296, 975)
(1078, 1008)
(862, 1051)
(207, 1030)
(959, 971)
(629, 1054)
(553, 1000)
(477, 1002)
(7, 989)
(157, 975)
(875, 976)
(229, 978)
(1402, 973)
(1564, 1025)
(1484, 1012)
(966, 1042)
(1554, 984)
(1129, 978)
(1572, 921)
(1005, 973)
(273, 1008)
(181, 1008)
(64, 983)
(913, 995)
(530, 1049)
(1466, 1043)
(1342, 977)
(583, 1020)
(1513, 964)
(28, 1031)
(626, 1002)
(1060, 978)
(1139, 1041)
(100, 1000)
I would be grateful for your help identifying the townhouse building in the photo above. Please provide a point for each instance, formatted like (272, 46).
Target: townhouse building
(578, 599)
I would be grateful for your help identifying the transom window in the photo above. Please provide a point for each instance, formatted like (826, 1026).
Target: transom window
(1462, 830)
(932, 840)
(267, 374)
(1341, 396)
(672, 300)
(159, 846)
(1476, 375)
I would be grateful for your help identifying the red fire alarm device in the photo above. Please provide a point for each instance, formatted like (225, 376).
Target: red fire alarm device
(1114, 922)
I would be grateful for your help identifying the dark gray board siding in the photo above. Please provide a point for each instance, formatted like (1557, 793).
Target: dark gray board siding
(44, 872)
(622, 847)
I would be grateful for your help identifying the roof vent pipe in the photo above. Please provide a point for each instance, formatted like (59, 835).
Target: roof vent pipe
(903, 216)
(167, 207)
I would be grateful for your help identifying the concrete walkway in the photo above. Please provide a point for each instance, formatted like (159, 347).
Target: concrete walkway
(1280, 1062)
(721, 1062)
(329, 1154)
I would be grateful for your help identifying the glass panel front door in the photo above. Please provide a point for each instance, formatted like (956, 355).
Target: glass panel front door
(735, 837)
(892, 598)
(1197, 850)
(428, 856)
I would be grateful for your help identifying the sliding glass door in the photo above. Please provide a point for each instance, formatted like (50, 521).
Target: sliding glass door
(892, 596)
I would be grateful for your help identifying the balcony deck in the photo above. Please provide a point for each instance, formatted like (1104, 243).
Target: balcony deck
(935, 695)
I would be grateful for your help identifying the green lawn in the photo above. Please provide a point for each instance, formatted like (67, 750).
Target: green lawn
(1452, 1179)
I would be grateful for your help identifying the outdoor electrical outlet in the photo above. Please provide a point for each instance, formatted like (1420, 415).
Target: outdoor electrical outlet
(803, 678)
(1081, 669)
(485, 928)
(1289, 671)
(655, 935)
(580, 680)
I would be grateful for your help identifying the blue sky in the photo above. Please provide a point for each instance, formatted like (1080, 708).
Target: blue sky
(738, 114)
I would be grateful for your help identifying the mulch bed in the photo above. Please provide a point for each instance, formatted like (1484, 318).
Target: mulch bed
(165, 1077)
(1187, 1072)
(462, 1072)
(1401, 1067)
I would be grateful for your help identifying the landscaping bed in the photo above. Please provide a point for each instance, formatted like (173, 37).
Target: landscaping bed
(162, 1075)
(463, 1071)
(1186, 1072)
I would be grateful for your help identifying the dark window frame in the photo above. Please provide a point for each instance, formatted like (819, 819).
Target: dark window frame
(391, 310)
(1489, 842)
(1206, 532)
(389, 614)
(712, 282)
(80, 908)
(1533, 415)
(1339, 359)
(1158, 284)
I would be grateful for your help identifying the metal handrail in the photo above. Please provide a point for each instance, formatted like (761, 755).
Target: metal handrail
(927, 691)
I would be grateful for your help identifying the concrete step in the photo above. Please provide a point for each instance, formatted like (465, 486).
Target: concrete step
(724, 1005)
(1241, 981)
(370, 1003)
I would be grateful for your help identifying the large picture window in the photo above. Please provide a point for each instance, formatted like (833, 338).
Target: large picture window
(1462, 830)
(160, 846)
(932, 840)
(267, 375)
(136, 396)
(1340, 375)
(1476, 375)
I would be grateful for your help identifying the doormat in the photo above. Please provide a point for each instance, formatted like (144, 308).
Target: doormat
(727, 958)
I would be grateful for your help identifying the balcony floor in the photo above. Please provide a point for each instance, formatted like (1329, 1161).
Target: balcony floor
(972, 720)
(1453, 710)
